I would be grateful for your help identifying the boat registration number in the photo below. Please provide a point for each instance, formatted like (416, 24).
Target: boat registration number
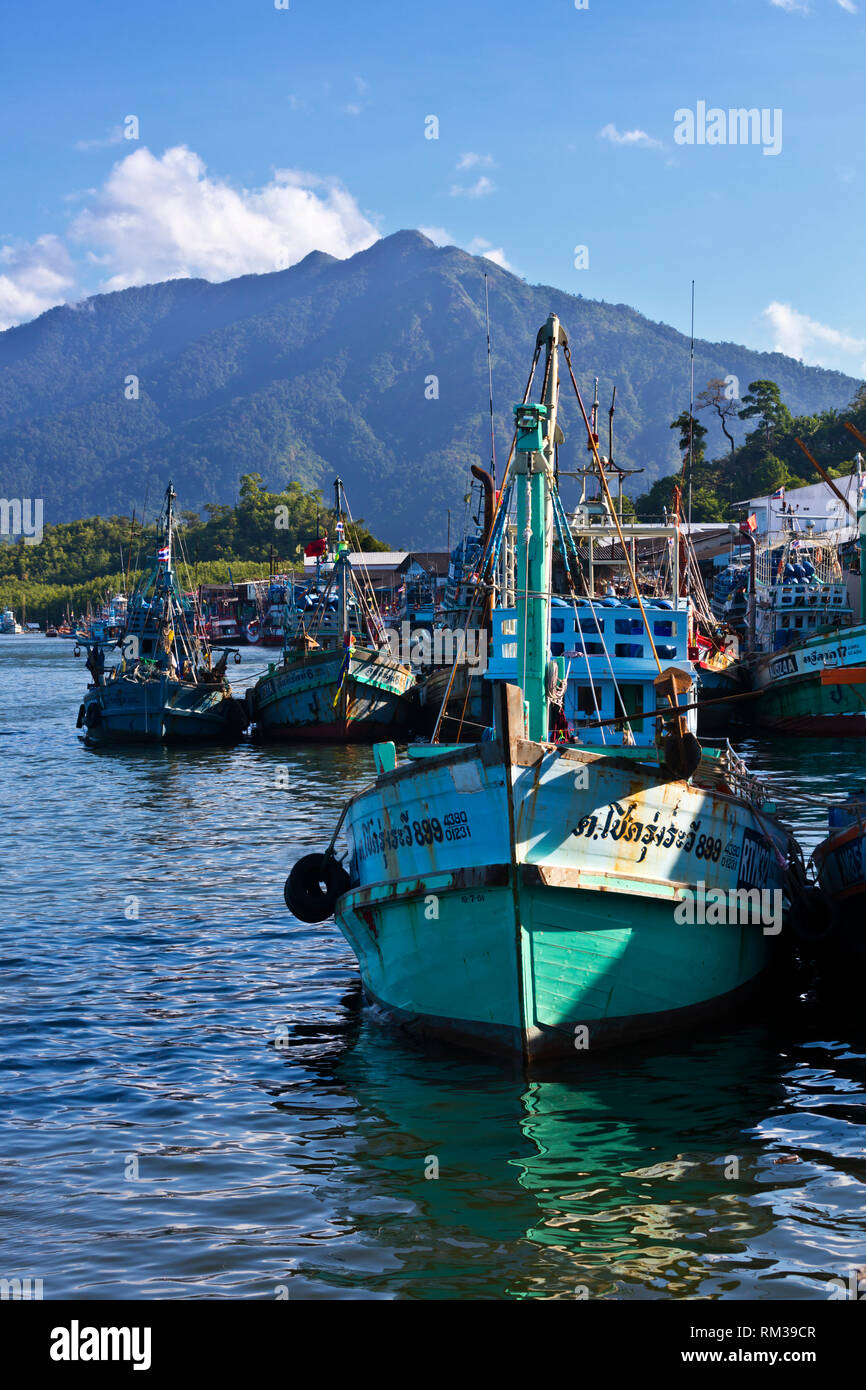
(373, 837)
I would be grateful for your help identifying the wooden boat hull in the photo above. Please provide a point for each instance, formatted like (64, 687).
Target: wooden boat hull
(790, 697)
(717, 682)
(319, 698)
(468, 709)
(840, 861)
(161, 710)
(507, 908)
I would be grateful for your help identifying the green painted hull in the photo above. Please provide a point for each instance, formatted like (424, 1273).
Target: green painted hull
(803, 705)
(593, 971)
(790, 697)
(322, 697)
(511, 908)
(125, 710)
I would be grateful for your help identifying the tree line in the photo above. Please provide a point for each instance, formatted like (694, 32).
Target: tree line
(768, 458)
(81, 562)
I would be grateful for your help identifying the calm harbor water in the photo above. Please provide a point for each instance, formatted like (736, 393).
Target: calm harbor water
(196, 1105)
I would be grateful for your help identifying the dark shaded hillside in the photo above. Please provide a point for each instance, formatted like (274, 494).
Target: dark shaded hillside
(321, 369)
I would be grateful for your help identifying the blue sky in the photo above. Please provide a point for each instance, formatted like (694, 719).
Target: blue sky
(264, 132)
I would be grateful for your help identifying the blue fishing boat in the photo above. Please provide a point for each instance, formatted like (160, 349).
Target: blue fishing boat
(542, 890)
(840, 859)
(167, 688)
(337, 680)
(828, 923)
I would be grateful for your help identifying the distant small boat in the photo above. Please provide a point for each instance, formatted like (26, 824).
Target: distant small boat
(8, 626)
(338, 679)
(167, 688)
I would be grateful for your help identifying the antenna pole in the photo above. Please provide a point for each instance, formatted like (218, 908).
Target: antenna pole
(490, 384)
(691, 405)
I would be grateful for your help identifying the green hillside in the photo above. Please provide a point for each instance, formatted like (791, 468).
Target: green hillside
(326, 368)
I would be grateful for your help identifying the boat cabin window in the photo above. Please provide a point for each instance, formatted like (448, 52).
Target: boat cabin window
(585, 703)
(147, 646)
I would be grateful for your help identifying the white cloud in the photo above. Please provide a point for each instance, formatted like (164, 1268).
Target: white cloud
(480, 189)
(637, 138)
(799, 336)
(114, 137)
(33, 278)
(475, 161)
(165, 218)
(800, 7)
(438, 235)
(479, 246)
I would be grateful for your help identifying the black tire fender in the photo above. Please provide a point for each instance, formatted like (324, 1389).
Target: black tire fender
(313, 887)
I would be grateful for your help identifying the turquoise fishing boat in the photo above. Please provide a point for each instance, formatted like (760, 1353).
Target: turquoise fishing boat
(806, 664)
(337, 680)
(167, 687)
(537, 893)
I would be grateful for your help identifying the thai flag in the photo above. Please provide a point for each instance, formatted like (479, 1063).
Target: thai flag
(339, 530)
(778, 495)
(164, 553)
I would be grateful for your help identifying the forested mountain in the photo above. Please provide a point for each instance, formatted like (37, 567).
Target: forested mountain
(374, 368)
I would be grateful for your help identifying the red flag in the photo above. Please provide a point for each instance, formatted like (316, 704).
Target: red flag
(316, 548)
(749, 525)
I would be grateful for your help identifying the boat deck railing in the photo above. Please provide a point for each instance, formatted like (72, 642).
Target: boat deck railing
(720, 766)
(792, 595)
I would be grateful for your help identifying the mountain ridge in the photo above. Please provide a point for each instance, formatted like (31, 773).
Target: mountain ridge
(324, 368)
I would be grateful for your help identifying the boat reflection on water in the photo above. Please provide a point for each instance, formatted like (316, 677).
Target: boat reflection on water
(644, 1173)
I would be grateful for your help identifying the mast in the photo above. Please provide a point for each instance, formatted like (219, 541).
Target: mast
(490, 389)
(170, 495)
(691, 404)
(342, 561)
(537, 436)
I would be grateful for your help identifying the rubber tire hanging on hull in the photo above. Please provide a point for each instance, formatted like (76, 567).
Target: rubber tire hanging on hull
(313, 887)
